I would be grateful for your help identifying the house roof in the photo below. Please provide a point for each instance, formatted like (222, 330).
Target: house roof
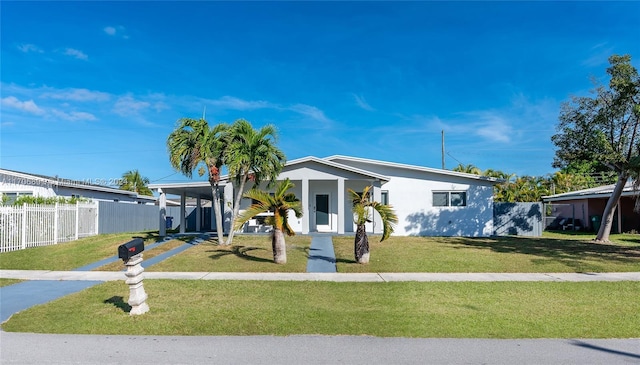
(415, 168)
(21, 178)
(330, 163)
(203, 188)
(597, 192)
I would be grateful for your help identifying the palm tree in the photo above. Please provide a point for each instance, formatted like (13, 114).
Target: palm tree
(194, 143)
(251, 154)
(469, 169)
(363, 209)
(133, 181)
(279, 203)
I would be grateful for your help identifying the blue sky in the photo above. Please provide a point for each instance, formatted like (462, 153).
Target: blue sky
(92, 89)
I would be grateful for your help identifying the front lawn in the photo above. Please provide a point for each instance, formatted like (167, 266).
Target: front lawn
(70, 255)
(249, 253)
(398, 309)
(550, 253)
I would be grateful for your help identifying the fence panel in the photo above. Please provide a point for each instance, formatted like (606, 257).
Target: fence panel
(41, 225)
(87, 220)
(116, 217)
(11, 228)
(522, 219)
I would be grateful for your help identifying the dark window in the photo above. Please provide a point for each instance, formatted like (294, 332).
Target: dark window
(449, 198)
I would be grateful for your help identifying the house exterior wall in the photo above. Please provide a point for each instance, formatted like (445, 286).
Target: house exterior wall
(410, 193)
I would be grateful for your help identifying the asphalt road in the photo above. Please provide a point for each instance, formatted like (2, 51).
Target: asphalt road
(26, 348)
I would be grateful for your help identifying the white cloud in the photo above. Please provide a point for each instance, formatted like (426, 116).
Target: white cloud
(28, 106)
(116, 31)
(76, 53)
(26, 48)
(76, 95)
(362, 103)
(127, 105)
(311, 112)
(74, 116)
(230, 102)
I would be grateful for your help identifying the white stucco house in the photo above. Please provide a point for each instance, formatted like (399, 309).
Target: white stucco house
(428, 201)
(15, 183)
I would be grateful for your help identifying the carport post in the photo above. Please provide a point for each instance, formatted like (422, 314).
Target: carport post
(163, 213)
(183, 207)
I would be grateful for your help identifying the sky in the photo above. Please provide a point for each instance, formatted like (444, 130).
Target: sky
(90, 90)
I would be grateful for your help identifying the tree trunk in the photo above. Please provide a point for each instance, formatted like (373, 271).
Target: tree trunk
(361, 245)
(609, 209)
(216, 208)
(236, 207)
(279, 247)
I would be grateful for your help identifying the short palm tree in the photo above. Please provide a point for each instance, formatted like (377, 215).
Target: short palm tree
(363, 210)
(279, 203)
(251, 154)
(133, 181)
(194, 143)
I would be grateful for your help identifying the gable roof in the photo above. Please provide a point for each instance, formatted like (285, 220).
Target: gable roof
(325, 162)
(597, 192)
(415, 168)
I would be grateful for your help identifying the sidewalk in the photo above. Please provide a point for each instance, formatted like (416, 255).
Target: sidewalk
(100, 276)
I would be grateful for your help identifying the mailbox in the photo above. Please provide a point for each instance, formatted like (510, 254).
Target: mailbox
(130, 249)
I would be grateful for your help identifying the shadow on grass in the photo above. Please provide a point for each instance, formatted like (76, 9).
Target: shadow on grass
(119, 302)
(242, 252)
(573, 253)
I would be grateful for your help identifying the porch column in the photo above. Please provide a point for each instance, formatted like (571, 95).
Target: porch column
(227, 211)
(163, 213)
(306, 216)
(183, 207)
(341, 212)
(377, 196)
(198, 213)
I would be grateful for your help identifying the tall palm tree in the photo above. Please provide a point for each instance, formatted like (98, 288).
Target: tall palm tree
(279, 203)
(251, 154)
(194, 143)
(133, 181)
(363, 209)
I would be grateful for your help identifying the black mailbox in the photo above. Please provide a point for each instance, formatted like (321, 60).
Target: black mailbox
(130, 249)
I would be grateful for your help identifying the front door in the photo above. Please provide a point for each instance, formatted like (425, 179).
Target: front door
(323, 219)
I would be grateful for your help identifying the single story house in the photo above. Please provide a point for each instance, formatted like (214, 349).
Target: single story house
(428, 201)
(587, 206)
(15, 183)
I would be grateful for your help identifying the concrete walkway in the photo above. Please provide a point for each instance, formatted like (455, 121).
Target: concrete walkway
(322, 258)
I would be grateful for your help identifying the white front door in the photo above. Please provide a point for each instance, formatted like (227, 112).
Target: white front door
(322, 216)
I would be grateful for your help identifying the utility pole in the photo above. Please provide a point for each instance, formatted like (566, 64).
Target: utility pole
(443, 149)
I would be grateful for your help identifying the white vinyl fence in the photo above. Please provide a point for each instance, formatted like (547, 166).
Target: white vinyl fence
(40, 225)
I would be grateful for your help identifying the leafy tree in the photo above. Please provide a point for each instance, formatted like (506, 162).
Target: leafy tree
(280, 203)
(363, 209)
(469, 169)
(194, 143)
(133, 181)
(250, 155)
(604, 128)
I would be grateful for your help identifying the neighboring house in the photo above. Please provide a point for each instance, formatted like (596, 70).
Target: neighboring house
(14, 184)
(587, 206)
(428, 202)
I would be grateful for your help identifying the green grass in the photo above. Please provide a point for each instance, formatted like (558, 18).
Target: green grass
(70, 255)
(398, 309)
(550, 253)
(247, 254)
(7, 282)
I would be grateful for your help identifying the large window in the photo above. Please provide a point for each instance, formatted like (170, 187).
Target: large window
(449, 198)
